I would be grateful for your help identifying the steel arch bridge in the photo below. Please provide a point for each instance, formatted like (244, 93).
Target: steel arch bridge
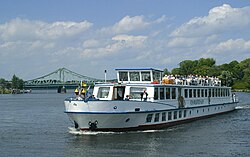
(60, 77)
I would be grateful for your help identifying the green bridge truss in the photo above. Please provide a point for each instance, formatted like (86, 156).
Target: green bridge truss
(60, 77)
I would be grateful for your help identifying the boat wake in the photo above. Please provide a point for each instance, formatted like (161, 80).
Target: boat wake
(75, 131)
(243, 106)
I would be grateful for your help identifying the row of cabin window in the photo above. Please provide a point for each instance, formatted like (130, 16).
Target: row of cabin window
(164, 116)
(214, 92)
(170, 93)
(138, 76)
(172, 115)
(164, 93)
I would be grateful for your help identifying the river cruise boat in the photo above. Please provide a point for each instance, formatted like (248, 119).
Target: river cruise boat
(143, 99)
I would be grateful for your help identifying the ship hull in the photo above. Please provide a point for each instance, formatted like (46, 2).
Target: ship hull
(145, 119)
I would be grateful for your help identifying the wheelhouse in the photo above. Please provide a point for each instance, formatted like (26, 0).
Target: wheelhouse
(145, 75)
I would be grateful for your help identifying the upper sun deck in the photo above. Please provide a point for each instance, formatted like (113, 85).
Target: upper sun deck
(139, 75)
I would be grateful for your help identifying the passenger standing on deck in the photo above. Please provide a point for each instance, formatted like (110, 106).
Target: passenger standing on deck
(76, 91)
(83, 93)
(144, 96)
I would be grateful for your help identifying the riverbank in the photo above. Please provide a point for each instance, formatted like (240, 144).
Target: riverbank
(240, 90)
(5, 91)
(14, 91)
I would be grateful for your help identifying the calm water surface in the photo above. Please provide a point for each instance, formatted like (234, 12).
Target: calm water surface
(35, 125)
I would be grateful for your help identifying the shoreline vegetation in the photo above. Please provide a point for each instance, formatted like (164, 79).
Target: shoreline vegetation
(234, 74)
(14, 86)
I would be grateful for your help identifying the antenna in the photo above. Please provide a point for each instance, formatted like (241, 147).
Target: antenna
(105, 76)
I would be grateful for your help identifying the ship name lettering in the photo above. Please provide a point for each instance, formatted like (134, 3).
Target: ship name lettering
(197, 102)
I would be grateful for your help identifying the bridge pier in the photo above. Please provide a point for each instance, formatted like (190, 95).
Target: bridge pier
(61, 89)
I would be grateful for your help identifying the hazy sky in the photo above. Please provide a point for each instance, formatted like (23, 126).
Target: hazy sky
(38, 37)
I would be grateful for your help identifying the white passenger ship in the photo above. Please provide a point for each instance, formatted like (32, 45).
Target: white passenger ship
(143, 99)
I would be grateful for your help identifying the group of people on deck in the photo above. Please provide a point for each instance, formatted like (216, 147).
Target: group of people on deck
(191, 80)
(81, 94)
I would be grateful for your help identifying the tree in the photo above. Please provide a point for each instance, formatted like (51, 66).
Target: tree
(188, 67)
(226, 78)
(176, 71)
(245, 67)
(17, 83)
(166, 72)
(209, 62)
(5, 84)
(205, 67)
(203, 70)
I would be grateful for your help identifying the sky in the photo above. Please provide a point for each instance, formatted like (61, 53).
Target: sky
(88, 37)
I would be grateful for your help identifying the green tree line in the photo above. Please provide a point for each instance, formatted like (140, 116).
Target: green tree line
(235, 74)
(15, 83)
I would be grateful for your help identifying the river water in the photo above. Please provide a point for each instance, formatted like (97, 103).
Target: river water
(35, 125)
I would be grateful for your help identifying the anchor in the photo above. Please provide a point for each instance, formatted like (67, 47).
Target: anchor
(93, 125)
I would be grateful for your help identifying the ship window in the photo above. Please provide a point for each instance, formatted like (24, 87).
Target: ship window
(135, 92)
(175, 114)
(123, 76)
(161, 93)
(202, 92)
(145, 76)
(163, 116)
(103, 92)
(194, 92)
(173, 93)
(190, 112)
(186, 93)
(167, 93)
(213, 92)
(198, 92)
(219, 92)
(180, 114)
(169, 115)
(156, 94)
(197, 111)
(185, 113)
(156, 76)
(157, 115)
(205, 92)
(149, 118)
(190, 93)
(134, 76)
